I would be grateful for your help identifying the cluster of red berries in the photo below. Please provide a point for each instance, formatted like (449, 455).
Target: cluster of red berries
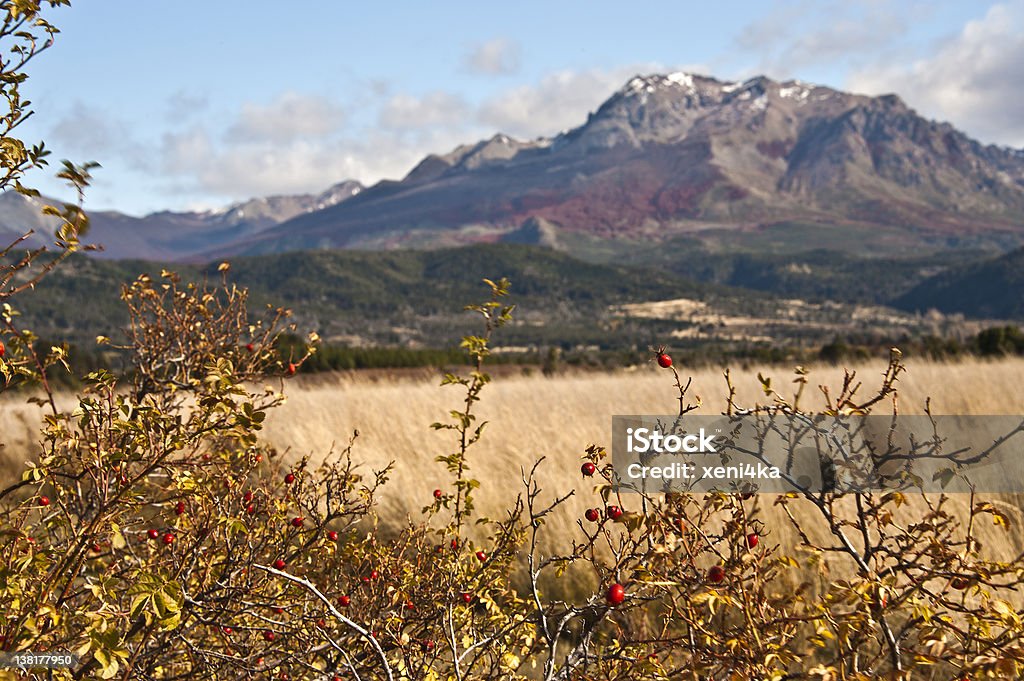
(154, 534)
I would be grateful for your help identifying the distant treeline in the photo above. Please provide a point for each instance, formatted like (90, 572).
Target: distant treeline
(991, 342)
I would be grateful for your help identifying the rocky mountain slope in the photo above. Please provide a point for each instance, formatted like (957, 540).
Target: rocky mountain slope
(682, 154)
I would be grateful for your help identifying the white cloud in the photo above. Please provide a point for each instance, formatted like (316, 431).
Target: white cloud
(435, 109)
(498, 57)
(205, 172)
(559, 101)
(790, 38)
(91, 134)
(972, 80)
(289, 117)
(300, 143)
(182, 105)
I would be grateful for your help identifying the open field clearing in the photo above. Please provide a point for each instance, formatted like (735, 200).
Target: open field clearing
(531, 417)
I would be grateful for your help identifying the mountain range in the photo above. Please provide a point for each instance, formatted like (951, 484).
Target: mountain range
(169, 235)
(678, 159)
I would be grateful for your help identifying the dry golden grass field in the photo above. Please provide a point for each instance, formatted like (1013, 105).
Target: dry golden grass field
(532, 417)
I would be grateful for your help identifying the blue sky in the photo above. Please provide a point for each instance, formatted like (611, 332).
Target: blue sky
(196, 104)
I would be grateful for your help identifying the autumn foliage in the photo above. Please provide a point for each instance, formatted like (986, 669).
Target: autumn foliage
(157, 536)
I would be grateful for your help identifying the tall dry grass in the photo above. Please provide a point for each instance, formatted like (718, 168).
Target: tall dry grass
(532, 417)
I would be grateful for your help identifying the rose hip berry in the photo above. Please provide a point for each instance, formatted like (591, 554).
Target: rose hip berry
(614, 512)
(153, 534)
(588, 469)
(289, 479)
(332, 535)
(664, 360)
(297, 521)
(593, 515)
(280, 564)
(44, 501)
(168, 539)
(481, 556)
(179, 508)
(344, 601)
(438, 494)
(752, 540)
(616, 594)
(716, 574)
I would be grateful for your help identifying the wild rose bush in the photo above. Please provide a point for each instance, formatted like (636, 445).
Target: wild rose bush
(158, 537)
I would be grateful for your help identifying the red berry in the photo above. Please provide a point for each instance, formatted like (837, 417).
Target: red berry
(959, 583)
(289, 479)
(95, 548)
(588, 469)
(365, 580)
(297, 521)
(427, 645)
(179, 508)
(616, 594)
(374, 574)
(752, 540)
(154, 534)
(481, 556)
(278, 611)
(250, 347)
(44, 501)
(280, 564)
(455, 544)
(283, 676)
(438, 494)
(409, 605)
(168, 539)
(268, 636)
(228, 630)
(716, 574)
(3, 350)
(466, 597)
(592, 515)
(344, 601)
(664, 360)
(291, 368)
(614, 512)
(332, 535)
(250, 509)
(247, 497)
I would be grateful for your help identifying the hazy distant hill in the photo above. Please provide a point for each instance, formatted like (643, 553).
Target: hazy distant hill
(991, 288)
(168, 235)
(394, 297)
